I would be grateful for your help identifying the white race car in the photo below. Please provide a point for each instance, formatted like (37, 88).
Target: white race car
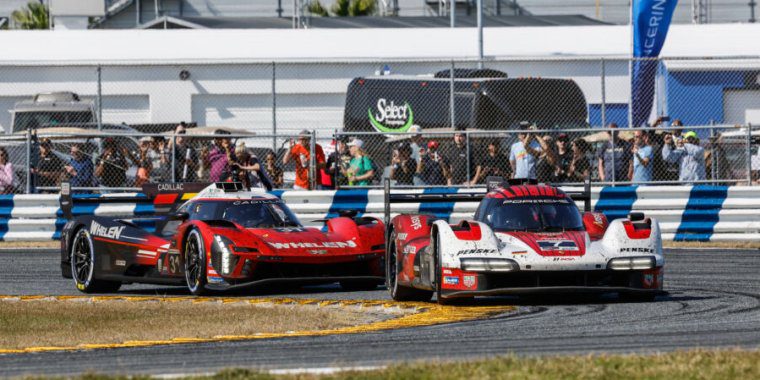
(524, 238)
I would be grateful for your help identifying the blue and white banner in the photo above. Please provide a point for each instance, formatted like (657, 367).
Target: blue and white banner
(651, 19)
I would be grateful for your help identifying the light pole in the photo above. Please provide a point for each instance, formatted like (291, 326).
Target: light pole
(480, 33)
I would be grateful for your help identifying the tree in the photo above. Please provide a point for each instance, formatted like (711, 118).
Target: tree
(343, 8)
(33, 16)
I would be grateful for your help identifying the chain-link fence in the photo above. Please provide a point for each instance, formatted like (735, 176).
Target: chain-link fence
(266, 105)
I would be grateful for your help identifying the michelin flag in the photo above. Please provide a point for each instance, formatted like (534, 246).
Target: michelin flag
(650, 19)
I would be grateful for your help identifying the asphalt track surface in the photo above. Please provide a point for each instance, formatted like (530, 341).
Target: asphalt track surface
(714, 302)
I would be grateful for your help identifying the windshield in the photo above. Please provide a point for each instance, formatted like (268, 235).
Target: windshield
(259, 214)
(40, 119)
(533, 215)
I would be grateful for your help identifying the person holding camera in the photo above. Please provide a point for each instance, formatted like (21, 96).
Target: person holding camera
(185, 157)
(403, 166)
(689, 156)
(111, 167)
(433, 167)
(300, 153)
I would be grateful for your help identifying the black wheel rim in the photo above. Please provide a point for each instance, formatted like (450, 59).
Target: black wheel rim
(193, 263)
(392, 266)
(81, 258)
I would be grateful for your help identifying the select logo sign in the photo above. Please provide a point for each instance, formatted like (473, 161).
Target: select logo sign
(389, 117)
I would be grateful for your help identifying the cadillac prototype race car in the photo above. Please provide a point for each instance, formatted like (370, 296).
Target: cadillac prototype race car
(223, 237)
(524, 238)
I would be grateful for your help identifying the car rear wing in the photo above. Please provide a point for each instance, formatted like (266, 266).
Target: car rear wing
(164, 198)
(447, 197)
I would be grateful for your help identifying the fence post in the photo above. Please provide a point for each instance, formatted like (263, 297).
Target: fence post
(713, 150)
(174, 155)
(274, 109)
(604, 94)
(614, 168)
(99, 101)
(28, 161)
(100, 98)
(749, 154)
(452, 115)
(467, 144)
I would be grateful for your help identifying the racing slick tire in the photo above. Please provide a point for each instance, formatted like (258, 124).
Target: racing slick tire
(83, 263)
(195, 263)
(400, 292)
(438, 269)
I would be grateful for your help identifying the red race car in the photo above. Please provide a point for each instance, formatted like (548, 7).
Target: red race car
(223, 237)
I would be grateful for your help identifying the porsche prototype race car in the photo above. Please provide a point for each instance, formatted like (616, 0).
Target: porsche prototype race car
(524, 238)
(223, 237)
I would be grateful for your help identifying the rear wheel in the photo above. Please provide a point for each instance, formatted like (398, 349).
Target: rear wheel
(400, 292)
(83, 263)
(195, 263)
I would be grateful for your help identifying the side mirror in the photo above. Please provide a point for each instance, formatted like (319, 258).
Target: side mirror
(181, 216)
(595, 224)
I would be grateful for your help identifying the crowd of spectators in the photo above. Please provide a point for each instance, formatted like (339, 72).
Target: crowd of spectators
(673, 155)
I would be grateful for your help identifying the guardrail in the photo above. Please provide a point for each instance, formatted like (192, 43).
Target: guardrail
(685, 213)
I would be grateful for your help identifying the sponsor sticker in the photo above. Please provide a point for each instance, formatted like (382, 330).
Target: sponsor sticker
(451, 280)
(636, 250)
(410, 249)
(327, 244)
(563, 259)
(648, 280)
(318, 251)
(557, 245)
(476, 252)
(470, 281)
(402, 236)
(519, 252)
(170, 186)
(416, 222)
(107, 232)
(120, 263)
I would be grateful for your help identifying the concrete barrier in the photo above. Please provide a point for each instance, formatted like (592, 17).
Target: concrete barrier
(685, 213)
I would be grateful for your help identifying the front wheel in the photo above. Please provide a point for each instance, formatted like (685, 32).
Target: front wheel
(400, 292)
(438, 269)
(83, 263)
(195, 263)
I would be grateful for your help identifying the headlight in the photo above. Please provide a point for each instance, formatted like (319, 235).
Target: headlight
(223, 245)
(632, 263)
(488, 265)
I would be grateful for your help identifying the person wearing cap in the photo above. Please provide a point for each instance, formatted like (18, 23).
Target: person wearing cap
(338, 161)
(111, 166)
(564, 156)
(642, 164)
(433, 168)
(689, 156)
(49, 168)
(403, 166)
(360, 170)
(417, 142)
(300, 153)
